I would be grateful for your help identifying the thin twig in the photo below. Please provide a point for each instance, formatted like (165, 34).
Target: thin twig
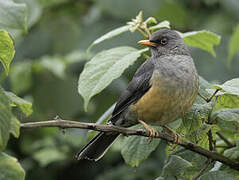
(204, 98)
(143, 33)
(127, 131)
(210, 98)
(207, 163)
(229, 144)
(210, 140)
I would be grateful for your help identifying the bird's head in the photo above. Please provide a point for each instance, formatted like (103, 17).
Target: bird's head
(166, 42)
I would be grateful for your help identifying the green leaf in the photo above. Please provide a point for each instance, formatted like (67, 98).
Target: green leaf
(110, 35)
(192, 123)
(202, 134)
(216, 175)
(233, 45)
(5, 119)
(229, 94)
(227, 120)
(175, 167)
(103, 68)
(227, 101)
(34, 11)
(13, 15)
(160, 178)
(163, 24)
(202, 39)
(15, 127)
(10, 168)
(229, 87)
(197, 161)
(21, 78)
(6, 49)
(48, 155)
(232, 153)
(77, 56)
(136, 149)
(25, 106)
(197, 114)
(53, 64)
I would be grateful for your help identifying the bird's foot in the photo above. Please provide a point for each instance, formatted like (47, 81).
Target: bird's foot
(175, 135)
(152, 132)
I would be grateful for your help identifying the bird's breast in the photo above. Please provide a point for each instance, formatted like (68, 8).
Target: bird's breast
(168, 99)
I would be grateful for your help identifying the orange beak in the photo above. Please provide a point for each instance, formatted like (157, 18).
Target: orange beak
(147, 43)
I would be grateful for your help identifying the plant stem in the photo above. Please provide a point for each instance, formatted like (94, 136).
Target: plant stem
(229, 144)
(210, 98)
(207, 163)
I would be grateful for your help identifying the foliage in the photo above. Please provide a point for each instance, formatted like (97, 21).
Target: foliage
(10, 169)
(105, 67)
(233, 45)
(6, 50)
(52, 47)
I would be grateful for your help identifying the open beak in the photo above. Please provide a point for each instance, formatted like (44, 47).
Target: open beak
(147, 43)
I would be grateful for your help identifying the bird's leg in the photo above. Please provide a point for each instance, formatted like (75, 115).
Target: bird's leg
(175, 135)
(152, 131)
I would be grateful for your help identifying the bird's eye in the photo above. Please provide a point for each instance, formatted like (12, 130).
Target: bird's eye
(164, 41)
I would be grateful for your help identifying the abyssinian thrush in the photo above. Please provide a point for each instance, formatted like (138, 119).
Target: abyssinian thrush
(162, 90)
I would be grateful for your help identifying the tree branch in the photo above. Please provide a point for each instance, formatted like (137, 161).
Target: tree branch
(129, 132)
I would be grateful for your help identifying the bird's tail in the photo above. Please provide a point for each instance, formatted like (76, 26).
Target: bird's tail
(97, 146)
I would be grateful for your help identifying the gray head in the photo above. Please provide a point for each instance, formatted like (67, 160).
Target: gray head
(166, 42)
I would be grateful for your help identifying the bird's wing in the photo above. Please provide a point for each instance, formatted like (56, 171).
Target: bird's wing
(138, 86)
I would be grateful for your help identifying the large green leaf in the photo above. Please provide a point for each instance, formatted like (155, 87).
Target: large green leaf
(10, 168)
(5, 119)
(48, 155)
(6, 49)
(197, 161)
(227, 120)
(202, 134)
(202, 39)
(54, 64)
(175, 167)
(21, 78)
(103, 68)
(192, 125)
(25, 106)
(229, 87)
(8, 122)
(233, 44)
(216, 175)
(232, 153)
(229, 94)
(227, 101)
(136, 149)
(13, 15)
(110, 35)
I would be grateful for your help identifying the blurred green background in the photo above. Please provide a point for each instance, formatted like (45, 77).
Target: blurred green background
(51, 55)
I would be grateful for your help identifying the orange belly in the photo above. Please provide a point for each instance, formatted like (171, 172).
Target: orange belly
(151, 106)
(163, 104)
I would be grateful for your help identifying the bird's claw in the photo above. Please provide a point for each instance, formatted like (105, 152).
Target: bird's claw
(152, 132)
(176, 137)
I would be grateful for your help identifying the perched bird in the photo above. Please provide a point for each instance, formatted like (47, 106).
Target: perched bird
(162, 90)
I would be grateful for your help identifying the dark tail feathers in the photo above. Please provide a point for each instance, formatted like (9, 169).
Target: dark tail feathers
(97, 146)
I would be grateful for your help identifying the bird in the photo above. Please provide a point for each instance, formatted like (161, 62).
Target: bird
(162, 90)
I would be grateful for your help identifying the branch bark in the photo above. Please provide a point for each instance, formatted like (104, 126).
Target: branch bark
(129, 132)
